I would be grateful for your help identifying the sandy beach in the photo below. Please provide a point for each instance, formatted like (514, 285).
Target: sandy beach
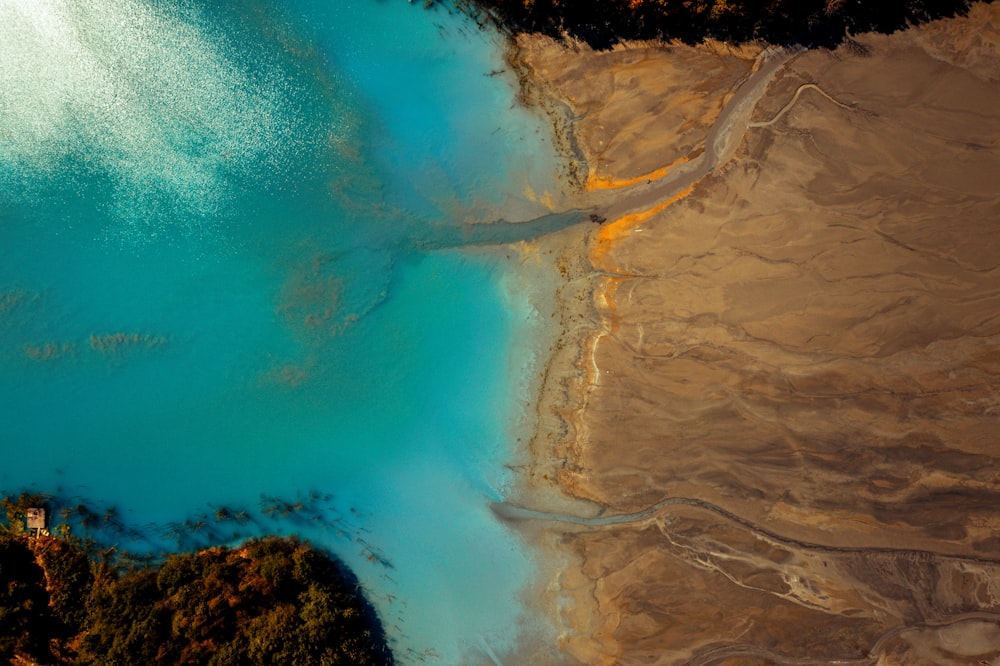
(772, 416)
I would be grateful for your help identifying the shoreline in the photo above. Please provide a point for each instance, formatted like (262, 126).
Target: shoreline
(589, 315)
(560, 430)
(605, 274)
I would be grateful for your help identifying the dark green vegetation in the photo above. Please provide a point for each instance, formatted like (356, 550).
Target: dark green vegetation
(270, 601)
(601, 23)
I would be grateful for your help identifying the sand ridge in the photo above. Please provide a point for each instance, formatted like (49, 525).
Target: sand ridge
(796, 360)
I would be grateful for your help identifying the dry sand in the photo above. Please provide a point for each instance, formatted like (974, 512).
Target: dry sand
(797, 361)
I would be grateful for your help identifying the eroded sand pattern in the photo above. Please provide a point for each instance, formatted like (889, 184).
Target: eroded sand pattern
(787, 398)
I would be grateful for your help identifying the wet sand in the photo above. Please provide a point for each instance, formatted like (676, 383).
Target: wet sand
(783, 377)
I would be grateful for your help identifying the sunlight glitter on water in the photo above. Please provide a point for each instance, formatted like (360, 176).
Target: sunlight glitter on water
(213, 284)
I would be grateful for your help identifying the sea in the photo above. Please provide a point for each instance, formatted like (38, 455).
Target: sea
(238, 293)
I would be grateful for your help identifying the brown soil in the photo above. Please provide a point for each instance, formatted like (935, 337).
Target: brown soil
(804, 347)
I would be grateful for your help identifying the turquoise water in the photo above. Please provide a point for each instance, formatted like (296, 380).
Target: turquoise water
(214, 284)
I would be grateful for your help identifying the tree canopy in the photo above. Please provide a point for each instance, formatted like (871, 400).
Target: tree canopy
(270, 601)
(601, 23)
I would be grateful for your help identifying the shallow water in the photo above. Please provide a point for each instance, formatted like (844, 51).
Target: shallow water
(218, 280)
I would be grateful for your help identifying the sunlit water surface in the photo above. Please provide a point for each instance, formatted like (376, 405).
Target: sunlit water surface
(215, 284)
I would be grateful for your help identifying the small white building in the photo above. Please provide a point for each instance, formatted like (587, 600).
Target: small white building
(35, 520)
